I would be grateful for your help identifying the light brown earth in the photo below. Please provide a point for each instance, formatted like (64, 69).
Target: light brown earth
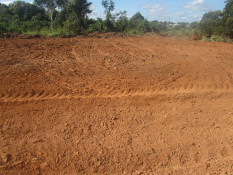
(139, 105)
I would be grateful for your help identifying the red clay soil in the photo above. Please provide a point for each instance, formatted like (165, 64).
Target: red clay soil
(139, 105)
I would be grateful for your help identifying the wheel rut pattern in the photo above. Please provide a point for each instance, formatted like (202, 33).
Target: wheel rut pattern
(116, 93)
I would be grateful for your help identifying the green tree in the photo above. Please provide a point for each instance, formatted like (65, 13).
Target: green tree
(21, 17)
(122, 22)
(25, 10)
(227, 18)
(137, 18)
(51, 6)
(154, 25)
(210, 23)
(181, 25)
(77, 14)
(138, 24)
(158, 27)
(194, 25)
(96, 25)
(228, 10)
(5, 17)
(109, 7)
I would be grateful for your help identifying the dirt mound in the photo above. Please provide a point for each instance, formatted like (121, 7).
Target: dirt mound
(196, 37)
(8, 35)
(106, 35)
(22, 36)
(112, 104)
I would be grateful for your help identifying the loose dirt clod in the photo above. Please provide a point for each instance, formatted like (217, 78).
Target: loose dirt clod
(6, 157)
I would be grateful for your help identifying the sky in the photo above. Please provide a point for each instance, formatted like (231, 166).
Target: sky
(161, 10)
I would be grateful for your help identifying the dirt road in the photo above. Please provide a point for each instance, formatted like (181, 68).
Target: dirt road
(139, 105)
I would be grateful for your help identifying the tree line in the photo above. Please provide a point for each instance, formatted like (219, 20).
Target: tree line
(71, 17)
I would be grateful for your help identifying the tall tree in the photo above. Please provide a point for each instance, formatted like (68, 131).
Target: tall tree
(228, 18)
(51, 6)
(79, 10)
(5, 17)
(24, 10)
(109, 7)
(138, 24)
(121, 22)
(228, 10)
(209, 23)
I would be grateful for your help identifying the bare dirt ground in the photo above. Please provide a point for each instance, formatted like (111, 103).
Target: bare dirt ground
(148, 105)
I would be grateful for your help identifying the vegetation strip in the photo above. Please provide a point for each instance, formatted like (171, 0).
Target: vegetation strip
(62, 18)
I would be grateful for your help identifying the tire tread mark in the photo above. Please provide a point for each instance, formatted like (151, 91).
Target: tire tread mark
(230, 76)
(2, 96)
(112, 93)
(40, 94)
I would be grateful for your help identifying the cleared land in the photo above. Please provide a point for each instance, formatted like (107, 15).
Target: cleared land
(148, 105)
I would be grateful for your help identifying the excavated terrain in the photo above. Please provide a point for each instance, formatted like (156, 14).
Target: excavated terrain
(116, 105)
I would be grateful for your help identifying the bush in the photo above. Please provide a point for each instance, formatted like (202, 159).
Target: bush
(217, 38)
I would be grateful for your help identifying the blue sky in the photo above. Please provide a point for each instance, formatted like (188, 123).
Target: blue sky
(162, 10)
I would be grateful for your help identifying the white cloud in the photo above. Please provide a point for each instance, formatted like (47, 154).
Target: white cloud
(198, 6)
(189, 12)
(96, 13)
(153, 8)
(185, 16)
(156, 11)
(7, 2)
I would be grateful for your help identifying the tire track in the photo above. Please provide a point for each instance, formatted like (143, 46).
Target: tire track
(116, 93)
(230, 77)
(121, 49)
(139, 47)
(99, 51)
